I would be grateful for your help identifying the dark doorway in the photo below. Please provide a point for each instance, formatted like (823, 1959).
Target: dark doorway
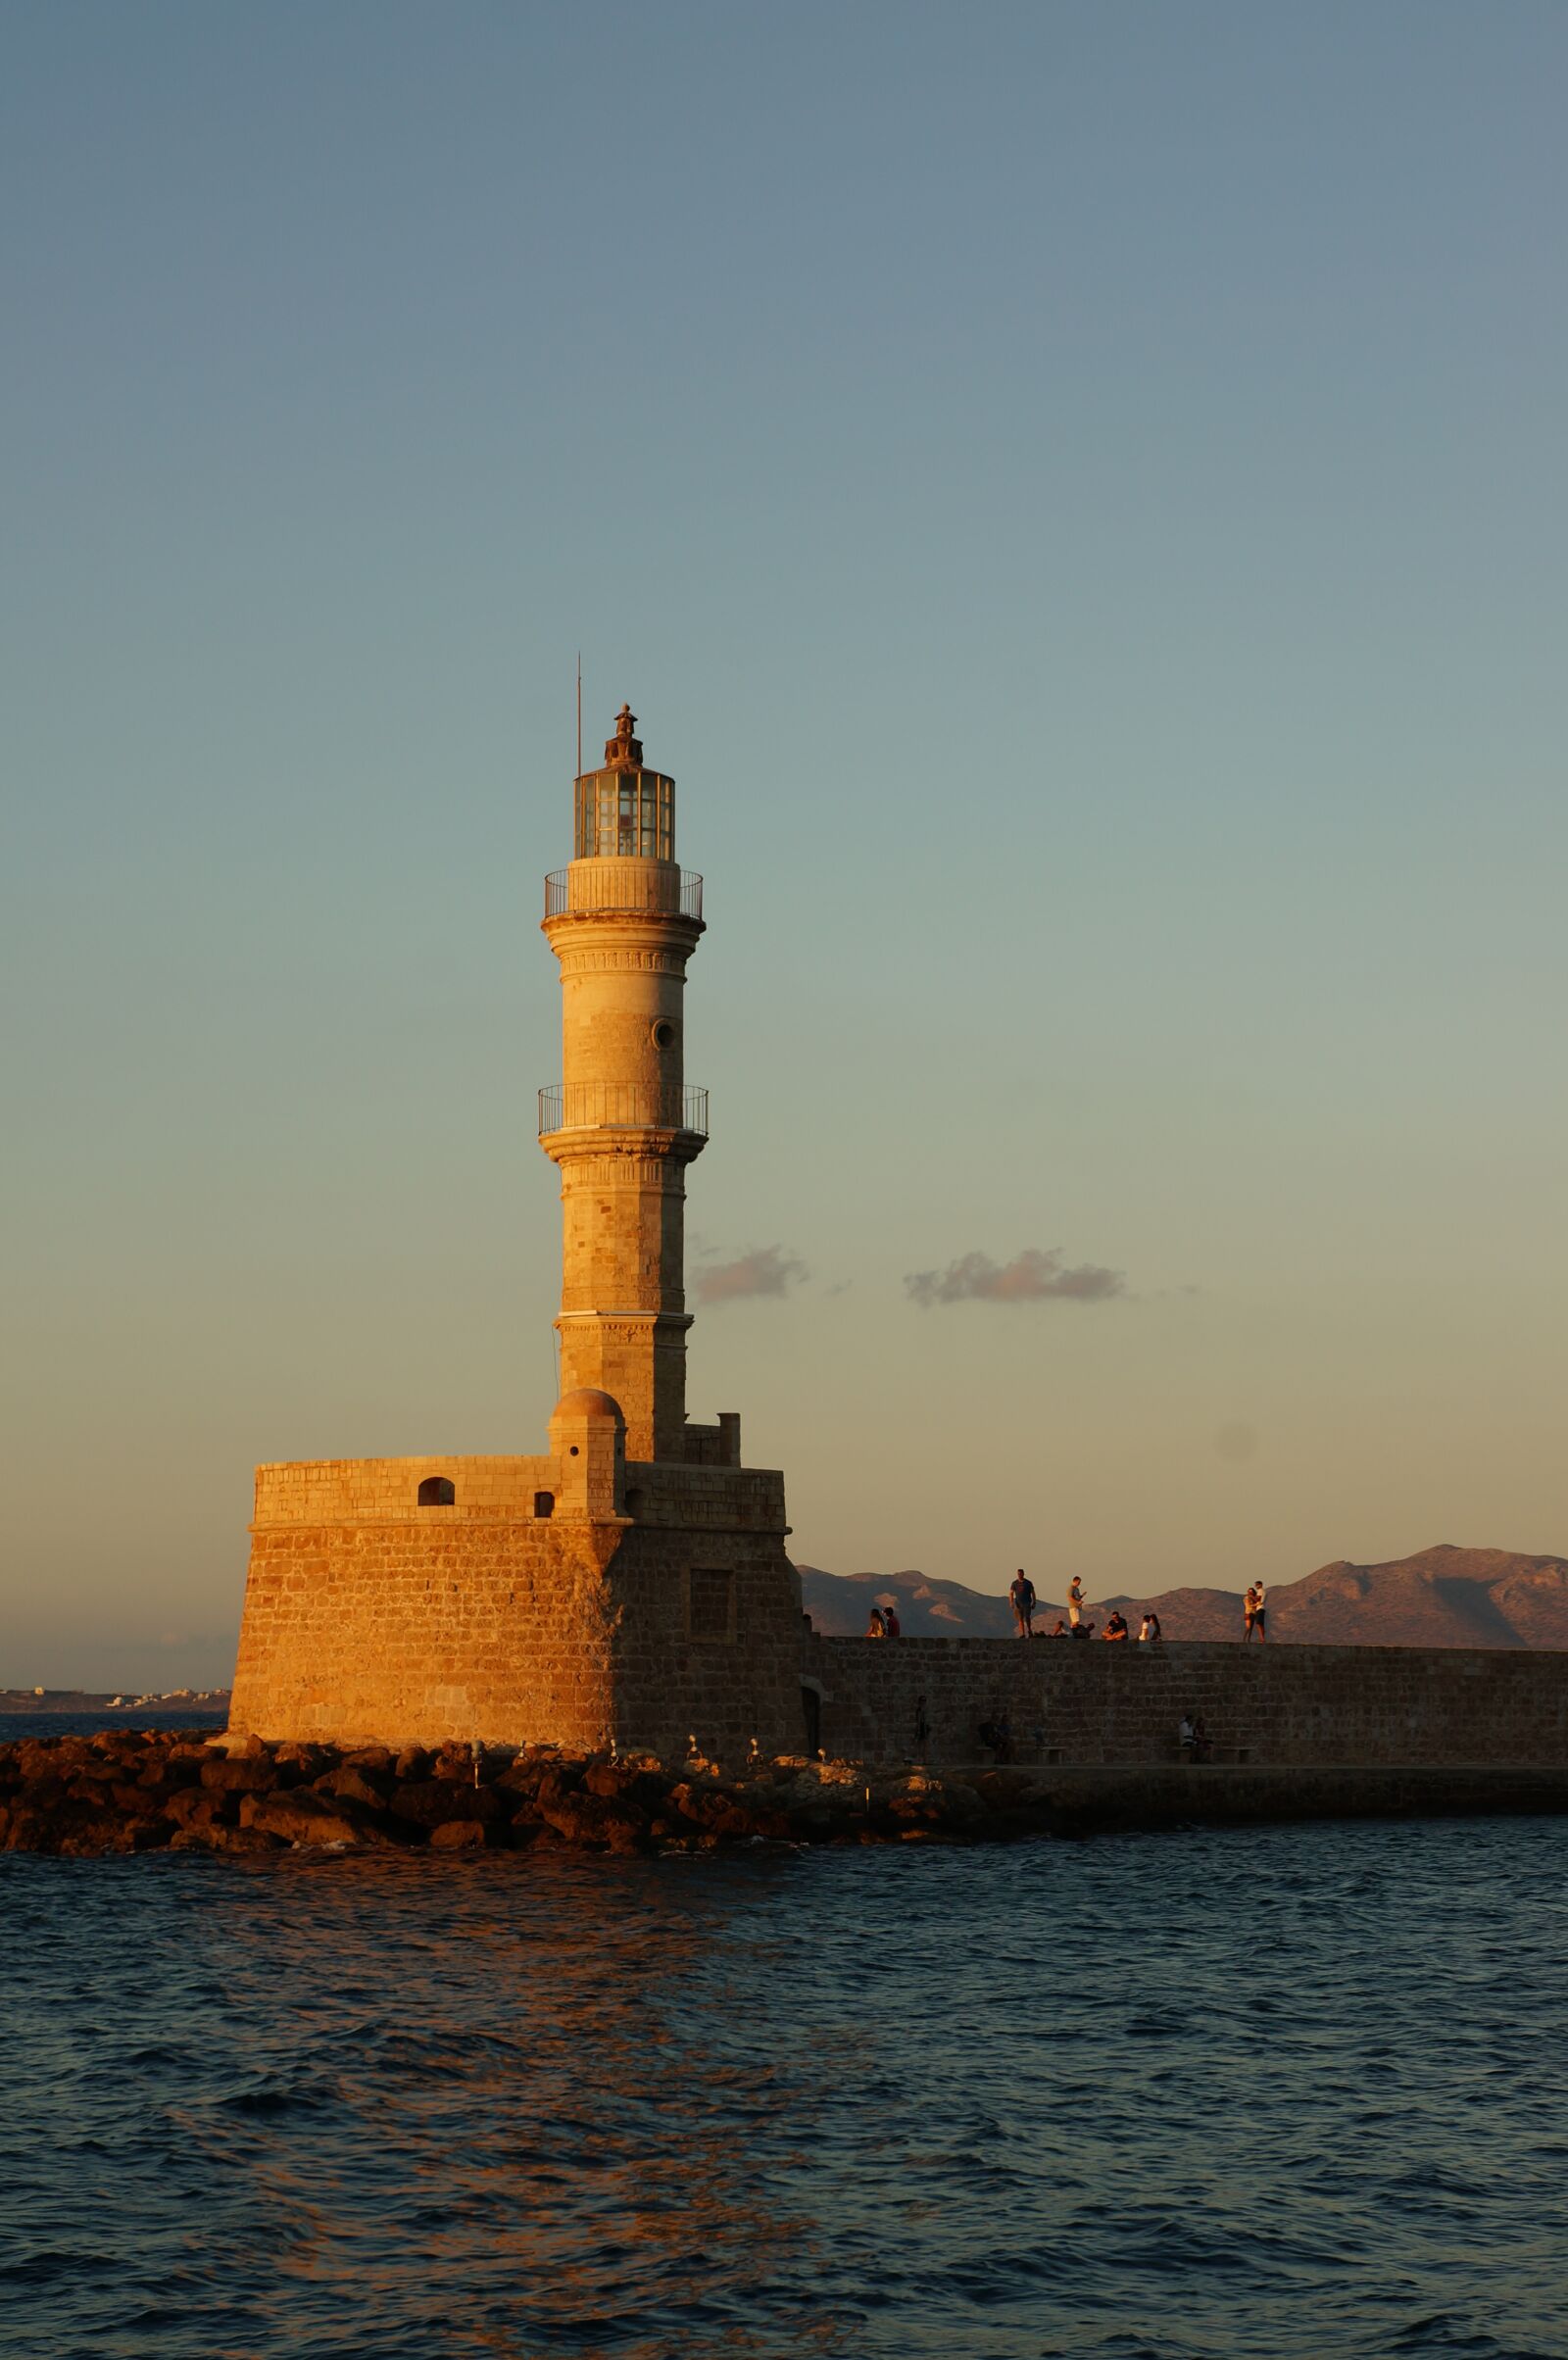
(811, 1707)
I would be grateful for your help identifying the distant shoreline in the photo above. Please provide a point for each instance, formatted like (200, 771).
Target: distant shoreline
(84, 1699)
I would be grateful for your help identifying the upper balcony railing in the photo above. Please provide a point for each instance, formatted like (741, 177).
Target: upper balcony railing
(624, 1106)
(636, 887)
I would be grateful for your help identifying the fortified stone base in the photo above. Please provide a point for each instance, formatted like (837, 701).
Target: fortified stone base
(573, 1599)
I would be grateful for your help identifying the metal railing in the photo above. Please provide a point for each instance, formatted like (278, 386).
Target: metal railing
(633, 886)
(624, 1106)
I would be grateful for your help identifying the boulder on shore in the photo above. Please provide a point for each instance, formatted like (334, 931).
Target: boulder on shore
(299, 1816)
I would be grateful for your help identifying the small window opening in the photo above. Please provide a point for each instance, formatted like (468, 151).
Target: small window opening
(574, 1453)
(544, 1504)
(438, 1491)
(710, 1603)
(664, 1035)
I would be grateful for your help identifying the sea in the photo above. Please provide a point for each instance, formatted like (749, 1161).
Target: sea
(1288, 2093)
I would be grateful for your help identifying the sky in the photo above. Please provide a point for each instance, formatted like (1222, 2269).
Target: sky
(1075, 495)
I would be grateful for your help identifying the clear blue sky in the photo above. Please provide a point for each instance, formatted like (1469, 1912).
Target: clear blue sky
(1075, 494)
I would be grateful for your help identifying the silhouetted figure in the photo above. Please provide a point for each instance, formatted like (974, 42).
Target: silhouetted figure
(876, 1628)
(1151, 1627)
(1075, 1602)
(1116, 1626)
(998, 1734)
(891, 1626)
(1253, 1607)
(1022, 1595)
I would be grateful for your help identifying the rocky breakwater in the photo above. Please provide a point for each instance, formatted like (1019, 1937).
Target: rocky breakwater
(148, 1790)
(155, 1790)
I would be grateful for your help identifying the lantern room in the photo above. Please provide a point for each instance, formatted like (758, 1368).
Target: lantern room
(623, 812)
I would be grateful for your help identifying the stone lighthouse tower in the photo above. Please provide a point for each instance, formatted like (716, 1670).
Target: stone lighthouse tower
(624, 1125)
(627, 1585)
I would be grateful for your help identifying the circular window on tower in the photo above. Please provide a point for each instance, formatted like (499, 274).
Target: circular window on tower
(664, 1035)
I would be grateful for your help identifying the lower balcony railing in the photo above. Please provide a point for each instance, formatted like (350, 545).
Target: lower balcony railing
(624, 1106)
(603, 887)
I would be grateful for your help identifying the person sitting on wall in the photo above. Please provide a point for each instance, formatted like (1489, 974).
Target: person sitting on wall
(1082, 1630)
(1193, 1738)
(876, 1628)
(1116, 1626)
(891, 1626)
(1060, 1631)
(1151, 1629)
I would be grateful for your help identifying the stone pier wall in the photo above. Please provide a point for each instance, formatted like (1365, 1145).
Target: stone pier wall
(1083, 1701)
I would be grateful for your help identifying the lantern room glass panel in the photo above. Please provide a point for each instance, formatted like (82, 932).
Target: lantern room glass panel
(625, 814)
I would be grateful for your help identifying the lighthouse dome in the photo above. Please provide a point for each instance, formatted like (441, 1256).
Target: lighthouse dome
(589, 1401)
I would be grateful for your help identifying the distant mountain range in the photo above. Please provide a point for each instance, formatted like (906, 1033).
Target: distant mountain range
(1442, 1597)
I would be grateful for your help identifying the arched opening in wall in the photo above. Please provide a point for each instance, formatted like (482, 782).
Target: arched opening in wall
(812, 1711)
(544, 1504)
(438, 1491)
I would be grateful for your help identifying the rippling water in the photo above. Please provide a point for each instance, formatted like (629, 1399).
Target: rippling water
(1296, 2091)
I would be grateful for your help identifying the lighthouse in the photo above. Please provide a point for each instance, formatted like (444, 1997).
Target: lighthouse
(624, 1125)
(627, 1585)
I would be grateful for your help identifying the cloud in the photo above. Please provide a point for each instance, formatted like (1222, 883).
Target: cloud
(1032, 1276)
(765, 1270)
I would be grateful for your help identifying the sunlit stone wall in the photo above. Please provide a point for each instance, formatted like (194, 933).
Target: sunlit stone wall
(572, 1599)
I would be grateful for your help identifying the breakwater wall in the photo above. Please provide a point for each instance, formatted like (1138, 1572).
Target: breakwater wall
(1084, 1701)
